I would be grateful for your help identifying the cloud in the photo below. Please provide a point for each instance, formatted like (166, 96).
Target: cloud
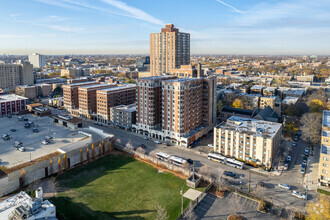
(134, 12)
(14, 15)
(230, 6)
(126, 10)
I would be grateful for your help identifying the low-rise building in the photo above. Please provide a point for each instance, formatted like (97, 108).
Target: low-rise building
(68, 121)
(273, 101)
(35, 91)
(248, 139)
(12, 104)
(324, 164)
(307, 78)
(257, 89)
(290, 100)
(71, 73)
(270, 91)
(123, 116)
(226, 112)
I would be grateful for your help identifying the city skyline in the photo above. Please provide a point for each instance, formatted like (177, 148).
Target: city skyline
(123, 27)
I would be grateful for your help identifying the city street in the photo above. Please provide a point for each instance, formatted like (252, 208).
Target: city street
(276, 195)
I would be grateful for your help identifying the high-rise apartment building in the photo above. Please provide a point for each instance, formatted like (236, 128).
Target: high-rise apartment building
(168, 49)
(12, 75)
(248, 139)
(87, 99)
(110, 97)
(176, 110)
(37, 60)
(324, 164)
(70, 94)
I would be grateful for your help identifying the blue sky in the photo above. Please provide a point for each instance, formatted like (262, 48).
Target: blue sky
(123, 26)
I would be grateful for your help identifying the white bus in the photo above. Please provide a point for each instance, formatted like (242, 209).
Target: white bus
(178, 160)
(162, 156)
(228, 161)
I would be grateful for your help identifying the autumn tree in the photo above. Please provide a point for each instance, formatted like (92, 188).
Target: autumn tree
(316, 105)
(22, 179)
(311, 127)
(238, 103)
(320, 209)
(59, 165)
(290, 128)
(93, 152)
(66, 164)
(81, 155)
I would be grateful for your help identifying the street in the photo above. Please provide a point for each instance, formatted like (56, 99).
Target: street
(274, 194)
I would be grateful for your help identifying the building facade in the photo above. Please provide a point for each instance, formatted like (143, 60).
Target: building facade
(187, 71)
(37, 60)
(324, 164)
(176, 110)
(70, 94)
(71, 73)
(123, 116)
(272, 101)
(111, 97)
(88, 100)
(35, 91)
(12, 75)
(12, 104)
(168, 49)
(248, 139)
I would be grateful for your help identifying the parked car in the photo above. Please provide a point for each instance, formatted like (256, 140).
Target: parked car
(9, 116)
(35, 130)
(288, 159)
(306, 151)
(190, 161)
(296, 138)
(293, 144)
(263, 184)
(303, 169)
(299, 195)
(143, 146)
(230, 174)
(145, 138)
(284, 186)
(12, 129)
(157, 142)
(25, 119)
(304, 161)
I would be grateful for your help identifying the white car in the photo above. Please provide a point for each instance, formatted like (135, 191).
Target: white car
(157, 142)
(284, 186)
(145, 138)
(293, 144)
(299, 195)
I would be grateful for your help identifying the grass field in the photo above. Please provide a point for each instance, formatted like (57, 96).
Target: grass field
(118, 187)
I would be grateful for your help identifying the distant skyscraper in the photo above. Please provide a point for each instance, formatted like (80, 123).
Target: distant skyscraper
(37, 60)
(168, 49)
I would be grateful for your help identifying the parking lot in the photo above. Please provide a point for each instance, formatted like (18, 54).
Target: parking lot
(10, 156)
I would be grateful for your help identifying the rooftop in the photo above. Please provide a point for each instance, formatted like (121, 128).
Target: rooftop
(128, 108)
(126, 86)
(257, 87)
(253, 127)
(10, 97)
(97, 85)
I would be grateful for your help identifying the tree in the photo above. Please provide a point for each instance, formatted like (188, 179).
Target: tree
(93, 152)
(87, 154)
(130, 81)
(59, 165)
(320, 209)
(22, 179)
(290, 128)
(66, 164)
(238, 103)
(316, 105)
(205, 171)
(311, 127)
(81, 155)
(161, 213)
(297, 109)
(220, 104)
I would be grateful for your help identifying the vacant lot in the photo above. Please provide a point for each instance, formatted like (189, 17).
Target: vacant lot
(118, 187)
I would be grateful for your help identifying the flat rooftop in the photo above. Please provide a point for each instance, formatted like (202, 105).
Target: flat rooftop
(63, 136)
(258, 128)
(120, 87)
(127, 108)
(97, 85)
(10, 97)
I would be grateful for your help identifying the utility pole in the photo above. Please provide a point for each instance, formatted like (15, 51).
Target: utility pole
(181, 200)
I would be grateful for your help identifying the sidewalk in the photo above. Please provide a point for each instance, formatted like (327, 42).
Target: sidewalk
(312, 170)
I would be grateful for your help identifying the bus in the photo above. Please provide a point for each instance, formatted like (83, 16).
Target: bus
(178, 161)
(228, 161)
(162, 156)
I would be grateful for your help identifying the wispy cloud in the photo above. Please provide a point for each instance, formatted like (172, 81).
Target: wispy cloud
(230, 6)
(133, 11)
(14, 15)
(125, 10)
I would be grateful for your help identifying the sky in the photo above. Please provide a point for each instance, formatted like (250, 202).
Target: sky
(238, 27)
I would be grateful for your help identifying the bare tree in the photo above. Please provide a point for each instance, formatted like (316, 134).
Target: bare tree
(141, 150)
(161, 213)
(311, 127)
(205, 171)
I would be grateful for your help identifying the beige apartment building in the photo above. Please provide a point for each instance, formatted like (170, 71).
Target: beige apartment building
(70, 94)
(176, 110)
(272, 101)
(248, 139)
(168, 49)
(88, 101)
(110, 97)
(35, 91)
(71, 73)
(324, 164)
(187, 71)
(12, 75)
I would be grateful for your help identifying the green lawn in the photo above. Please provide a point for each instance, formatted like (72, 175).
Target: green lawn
(323, 191)
(118, 187)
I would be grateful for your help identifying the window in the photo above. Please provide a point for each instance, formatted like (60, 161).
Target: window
(325, 165)
(325, 158)
(324, 171)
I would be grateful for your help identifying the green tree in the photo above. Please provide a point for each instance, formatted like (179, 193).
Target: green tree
(220, 104)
